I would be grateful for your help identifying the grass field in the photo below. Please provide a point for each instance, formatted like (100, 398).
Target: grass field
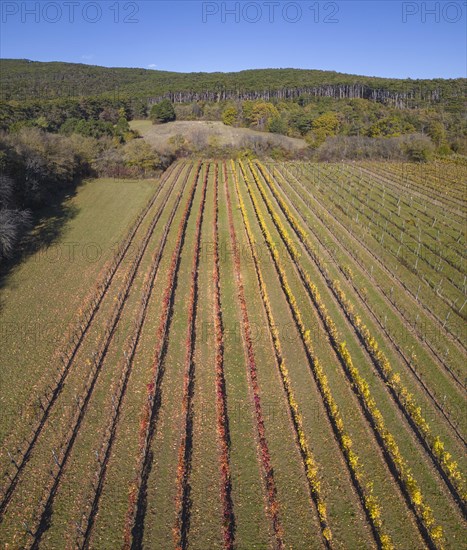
(241, 354)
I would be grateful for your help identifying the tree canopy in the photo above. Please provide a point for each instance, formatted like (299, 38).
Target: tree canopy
(162, 112)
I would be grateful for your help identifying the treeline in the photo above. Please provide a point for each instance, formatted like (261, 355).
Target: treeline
(314, 121)
(327, 118)
(34, 166)
(409, 96)
(51, 115)
(23, 79)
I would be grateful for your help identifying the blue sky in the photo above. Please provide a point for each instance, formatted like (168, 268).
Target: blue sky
(389, 38)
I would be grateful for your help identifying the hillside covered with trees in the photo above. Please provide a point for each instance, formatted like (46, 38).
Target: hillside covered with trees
(24, 79)
(67, 97)
(61, 121)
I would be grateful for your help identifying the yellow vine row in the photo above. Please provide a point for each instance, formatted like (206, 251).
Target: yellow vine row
(391, 377)
(422, 510)
(370, 502)
(311, 466)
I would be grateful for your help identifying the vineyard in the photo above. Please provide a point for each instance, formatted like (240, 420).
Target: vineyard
(273, 356)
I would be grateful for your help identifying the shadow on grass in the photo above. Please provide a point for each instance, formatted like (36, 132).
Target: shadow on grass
(48, 224)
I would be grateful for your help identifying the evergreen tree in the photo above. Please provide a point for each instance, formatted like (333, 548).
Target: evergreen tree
(162, 112)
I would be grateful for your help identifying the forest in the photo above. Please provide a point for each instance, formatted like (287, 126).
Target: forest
(299, 103)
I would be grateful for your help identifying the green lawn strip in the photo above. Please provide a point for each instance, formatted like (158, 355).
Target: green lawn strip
(48, 382)
(298, 516)
(431, 373)
(58, 335)
(394, 509)
(253, 528)
(42, 295)
(79, 480)
(206, 509)
(36, 479)
(161, 510)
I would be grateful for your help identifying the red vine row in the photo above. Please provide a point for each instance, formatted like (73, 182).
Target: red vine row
(137, 507)
(221, 397)
(183, 503)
